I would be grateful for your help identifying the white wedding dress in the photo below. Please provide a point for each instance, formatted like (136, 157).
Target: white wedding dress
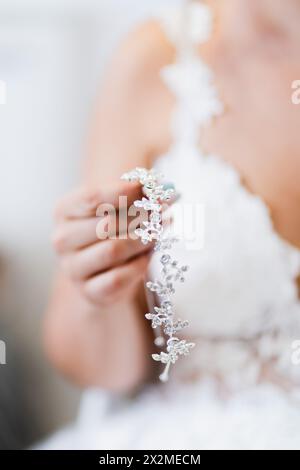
(240, 297)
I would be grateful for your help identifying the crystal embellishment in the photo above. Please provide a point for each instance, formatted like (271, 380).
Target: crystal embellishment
(155, 194)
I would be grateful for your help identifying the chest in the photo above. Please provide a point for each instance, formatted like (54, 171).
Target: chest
(259, 132)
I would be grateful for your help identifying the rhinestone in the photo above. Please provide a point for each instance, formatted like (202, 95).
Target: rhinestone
(165, 259)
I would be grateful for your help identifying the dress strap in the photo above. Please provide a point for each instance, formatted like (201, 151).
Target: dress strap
(189, 78)
(186, 25)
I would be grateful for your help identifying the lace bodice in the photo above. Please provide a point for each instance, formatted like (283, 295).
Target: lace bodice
(240, 296)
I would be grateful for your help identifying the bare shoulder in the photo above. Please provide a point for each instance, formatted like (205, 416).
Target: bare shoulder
(138, 62)
(145, 49)
(131, 120)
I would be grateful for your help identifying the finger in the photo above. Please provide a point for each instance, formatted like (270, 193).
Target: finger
(80, 233)
(75, 234)
(101, 257)
(122, 224)
(84, 202)
(111, 286)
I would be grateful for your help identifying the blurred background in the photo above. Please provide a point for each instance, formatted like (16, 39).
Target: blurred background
(52, 55)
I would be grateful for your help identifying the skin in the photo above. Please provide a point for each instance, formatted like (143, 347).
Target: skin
(95, 331)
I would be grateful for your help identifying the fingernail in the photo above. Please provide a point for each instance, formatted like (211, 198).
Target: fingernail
(168, 185)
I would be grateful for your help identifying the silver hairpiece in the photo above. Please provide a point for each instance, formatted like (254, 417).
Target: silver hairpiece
(163, 316)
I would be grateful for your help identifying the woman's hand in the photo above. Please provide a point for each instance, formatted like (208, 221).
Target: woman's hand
(95, 330)
(104, 270)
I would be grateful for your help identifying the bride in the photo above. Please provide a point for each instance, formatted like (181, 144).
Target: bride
(221, 73)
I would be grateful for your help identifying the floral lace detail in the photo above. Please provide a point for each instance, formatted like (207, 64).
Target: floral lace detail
(186, 27)
(242, 295)
(182, 24)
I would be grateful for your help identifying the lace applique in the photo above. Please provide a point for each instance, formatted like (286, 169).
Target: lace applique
(191, 24)
(189, 78)
(243, 282)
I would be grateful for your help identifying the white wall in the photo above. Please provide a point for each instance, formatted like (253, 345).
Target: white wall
(51, 57)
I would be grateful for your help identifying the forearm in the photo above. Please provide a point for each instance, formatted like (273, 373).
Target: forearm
(107, 347)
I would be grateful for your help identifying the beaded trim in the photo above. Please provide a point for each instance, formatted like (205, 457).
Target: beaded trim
(152, 230)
